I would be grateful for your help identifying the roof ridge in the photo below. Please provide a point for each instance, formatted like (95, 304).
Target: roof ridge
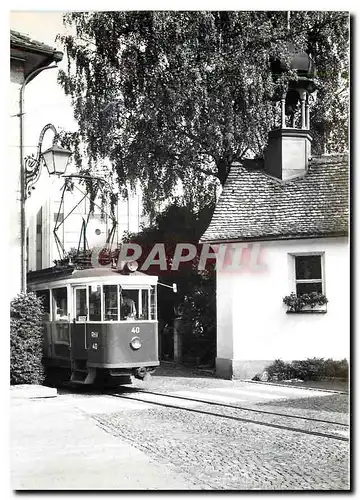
(331, 158)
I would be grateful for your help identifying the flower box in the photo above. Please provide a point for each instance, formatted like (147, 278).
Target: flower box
(306, 303)
(314, 310)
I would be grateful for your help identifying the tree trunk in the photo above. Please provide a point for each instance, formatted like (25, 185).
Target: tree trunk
(223, 169)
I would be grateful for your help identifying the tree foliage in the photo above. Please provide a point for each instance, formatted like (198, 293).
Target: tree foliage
(179, 224)
(175, 225)
(176, 97)
(195, 300)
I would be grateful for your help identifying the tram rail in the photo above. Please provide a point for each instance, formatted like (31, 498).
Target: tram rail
(238, 409)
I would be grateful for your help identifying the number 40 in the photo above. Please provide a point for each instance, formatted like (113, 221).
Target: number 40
(135, 329)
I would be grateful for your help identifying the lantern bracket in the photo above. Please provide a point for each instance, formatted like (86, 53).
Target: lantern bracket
(33, 164)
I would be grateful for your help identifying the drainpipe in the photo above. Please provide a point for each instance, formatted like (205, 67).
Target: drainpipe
(128, 210)
(57, 57)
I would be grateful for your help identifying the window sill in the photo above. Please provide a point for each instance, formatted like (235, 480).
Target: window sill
(308, 311)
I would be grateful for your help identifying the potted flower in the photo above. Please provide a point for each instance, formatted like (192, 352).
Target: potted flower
(306, 302)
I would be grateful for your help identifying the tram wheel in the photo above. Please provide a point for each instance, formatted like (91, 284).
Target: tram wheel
(104, 379)
(55, 376)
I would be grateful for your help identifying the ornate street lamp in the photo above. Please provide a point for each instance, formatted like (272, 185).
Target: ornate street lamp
(55, 159)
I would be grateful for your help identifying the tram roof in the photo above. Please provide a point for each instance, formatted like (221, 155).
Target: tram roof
(69, 272)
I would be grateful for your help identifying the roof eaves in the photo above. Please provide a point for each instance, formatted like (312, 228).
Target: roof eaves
(27, 44)
(274, 237)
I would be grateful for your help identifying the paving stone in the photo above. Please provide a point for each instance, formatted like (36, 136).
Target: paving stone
(224, 454)
(198, 450)
(232, 455)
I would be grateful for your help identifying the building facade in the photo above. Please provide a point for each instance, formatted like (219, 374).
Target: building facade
(26, 56)
(69, 216)
(281, 224)
(42, 208)
(293, 238)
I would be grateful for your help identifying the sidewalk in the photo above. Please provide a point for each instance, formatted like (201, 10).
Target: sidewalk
(55, 446)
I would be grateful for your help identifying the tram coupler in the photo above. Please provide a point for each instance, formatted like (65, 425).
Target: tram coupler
(140, 373)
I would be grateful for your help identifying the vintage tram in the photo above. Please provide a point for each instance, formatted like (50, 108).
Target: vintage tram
(100, 324)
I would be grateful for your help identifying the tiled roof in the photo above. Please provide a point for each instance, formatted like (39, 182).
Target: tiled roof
(254, 205)
(25, 42)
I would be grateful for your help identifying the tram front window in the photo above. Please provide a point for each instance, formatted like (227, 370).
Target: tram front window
(44, 295)
(129, 304)
(95, 303)
(60, 306)
(110, 302)
(144, 304)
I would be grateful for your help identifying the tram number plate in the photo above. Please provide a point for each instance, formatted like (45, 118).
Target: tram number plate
(135, 329)
(95, 334)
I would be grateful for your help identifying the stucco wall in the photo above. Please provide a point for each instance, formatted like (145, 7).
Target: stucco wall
(224, 316)
(254, 322)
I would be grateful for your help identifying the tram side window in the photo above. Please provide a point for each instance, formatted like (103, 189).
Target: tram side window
(60, 306)
(110, 302)
(80, 304)
(144, 304)
(95, 303)
(44, 295)
(129, 304)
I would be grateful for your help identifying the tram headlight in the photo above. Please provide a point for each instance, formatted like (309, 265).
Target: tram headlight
(135, 343)
(132, 265)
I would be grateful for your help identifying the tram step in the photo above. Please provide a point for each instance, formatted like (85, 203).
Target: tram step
(83, 377)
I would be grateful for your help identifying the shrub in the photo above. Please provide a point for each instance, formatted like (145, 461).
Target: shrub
(26, 340)
(336, 369)
(278, 370)
(308, 369)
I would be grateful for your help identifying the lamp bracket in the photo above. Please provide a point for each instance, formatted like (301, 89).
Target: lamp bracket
(33, 164)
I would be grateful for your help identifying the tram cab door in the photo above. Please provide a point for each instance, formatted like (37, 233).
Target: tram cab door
(78, 327)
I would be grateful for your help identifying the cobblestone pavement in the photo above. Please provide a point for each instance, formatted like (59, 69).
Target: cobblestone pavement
(222, 454)
(230, 455)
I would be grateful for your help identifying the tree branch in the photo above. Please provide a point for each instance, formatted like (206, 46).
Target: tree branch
(190, 135)
(239, 155)
(204, 171)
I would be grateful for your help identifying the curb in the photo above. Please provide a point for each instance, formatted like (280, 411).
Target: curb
(296, 387)
(28, 391)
